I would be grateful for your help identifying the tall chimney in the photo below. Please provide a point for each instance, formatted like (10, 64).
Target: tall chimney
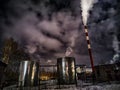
(89, 47)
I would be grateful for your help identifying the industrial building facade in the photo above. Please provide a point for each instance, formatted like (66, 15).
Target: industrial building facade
(107, 72)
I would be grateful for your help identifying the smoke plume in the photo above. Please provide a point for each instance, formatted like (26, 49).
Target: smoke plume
(68, 51)
(86, 5)
(45, 28)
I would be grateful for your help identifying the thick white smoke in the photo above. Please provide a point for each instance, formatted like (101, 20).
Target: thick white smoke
(116, 56)
(116, 44)
(45, 31)
(86, 5)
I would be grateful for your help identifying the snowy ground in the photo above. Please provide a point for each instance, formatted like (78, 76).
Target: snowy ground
(80, 86)
(92, 87)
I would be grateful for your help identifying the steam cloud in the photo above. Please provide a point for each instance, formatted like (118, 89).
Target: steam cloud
(86, 5)
(46, 28)
(68, 51)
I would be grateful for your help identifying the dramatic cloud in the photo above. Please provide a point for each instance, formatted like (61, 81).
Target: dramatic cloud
(46, 28)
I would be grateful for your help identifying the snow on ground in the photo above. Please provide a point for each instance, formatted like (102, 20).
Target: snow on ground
(50, 85)
(92, 87)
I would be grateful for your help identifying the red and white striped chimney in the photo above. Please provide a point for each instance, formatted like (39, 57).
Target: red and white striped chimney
(89, 47)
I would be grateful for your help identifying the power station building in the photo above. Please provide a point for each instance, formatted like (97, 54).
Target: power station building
(107, 72)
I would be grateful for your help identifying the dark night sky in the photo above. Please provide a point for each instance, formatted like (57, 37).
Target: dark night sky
(45, 28)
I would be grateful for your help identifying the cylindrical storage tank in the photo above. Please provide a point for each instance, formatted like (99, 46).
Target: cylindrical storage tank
(29, 73)
(66, 70)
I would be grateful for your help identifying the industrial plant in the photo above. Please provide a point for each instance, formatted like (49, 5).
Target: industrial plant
(18, 71)
(55, 45)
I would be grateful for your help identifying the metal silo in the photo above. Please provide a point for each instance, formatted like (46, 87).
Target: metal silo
(66, 70)
(29, 73)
